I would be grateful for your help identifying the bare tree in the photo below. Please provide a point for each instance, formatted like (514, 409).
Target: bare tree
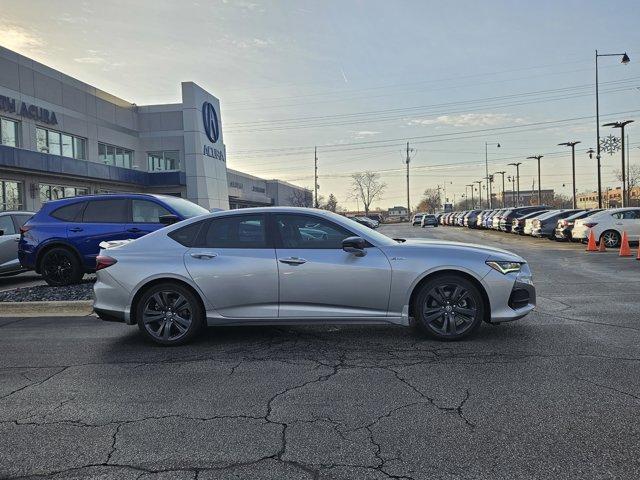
(367, 188)
(301, 198)
(430, 201)
(633, 178)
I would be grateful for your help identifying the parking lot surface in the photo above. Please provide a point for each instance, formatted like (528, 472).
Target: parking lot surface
(555, 395)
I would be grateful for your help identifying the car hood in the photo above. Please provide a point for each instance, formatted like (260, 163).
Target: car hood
(489, 252)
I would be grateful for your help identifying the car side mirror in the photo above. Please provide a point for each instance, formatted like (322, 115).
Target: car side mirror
(355, 245)
(169, 219)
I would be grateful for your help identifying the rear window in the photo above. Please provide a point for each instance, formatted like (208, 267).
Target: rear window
(187, 235)
(69, 213)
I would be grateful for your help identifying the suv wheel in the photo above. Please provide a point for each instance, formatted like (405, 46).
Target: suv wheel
(59, 267)
(449, 307)
(611, 239)
(169, 314)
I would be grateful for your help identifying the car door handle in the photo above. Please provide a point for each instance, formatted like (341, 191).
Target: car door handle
(75, 229)
(293, 260)
(134, 230)
(204, 256)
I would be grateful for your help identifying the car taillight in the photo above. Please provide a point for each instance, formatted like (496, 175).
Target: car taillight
(564, 223)
(103, 261)
(590, 225)
(24, 229)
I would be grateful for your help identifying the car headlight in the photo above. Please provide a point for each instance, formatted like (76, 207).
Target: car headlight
(504, 266)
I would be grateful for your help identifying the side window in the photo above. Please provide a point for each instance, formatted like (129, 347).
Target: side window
(106, 211)
(69, 213)
(629, 215)
(237, 231)
(188, 235)
(145, 211)
(6, 225)
(301, 231)
(20, 220)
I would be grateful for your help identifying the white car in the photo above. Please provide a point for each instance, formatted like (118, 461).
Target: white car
(528, 223)
(608, 225)
(417, 219)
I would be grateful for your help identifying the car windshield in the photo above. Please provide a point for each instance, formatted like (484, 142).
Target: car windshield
(185, 208)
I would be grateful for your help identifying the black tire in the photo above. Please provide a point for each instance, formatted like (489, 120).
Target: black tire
(167, 321)
(611, 238)
(433, 316)
(60, 266)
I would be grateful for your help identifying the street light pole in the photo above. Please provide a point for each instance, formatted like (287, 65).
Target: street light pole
(573, 166)
(621, 125)
(625, 60)
(517, 165)
(504, 203)
(538, 157)
(473, 205)
(479, 182)
(486, 165)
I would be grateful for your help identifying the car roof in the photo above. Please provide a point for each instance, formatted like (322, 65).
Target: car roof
(103, 196)
(15, 212)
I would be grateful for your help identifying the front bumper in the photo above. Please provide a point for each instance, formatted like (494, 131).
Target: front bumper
(563, 233)
(511, 296)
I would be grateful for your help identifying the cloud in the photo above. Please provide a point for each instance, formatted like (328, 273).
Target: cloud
(469, 120)
(95, 57)
(364, 134)
(18, 39)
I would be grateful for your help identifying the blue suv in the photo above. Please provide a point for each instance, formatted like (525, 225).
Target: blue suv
(62, 240)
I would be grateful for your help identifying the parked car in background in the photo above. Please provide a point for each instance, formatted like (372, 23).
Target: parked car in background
(544, 226)
(10, 224)
(495, 220)
(528, 223)
(471, 218)
(608, 226)
(429, 220)
(376, 217)
(243, 267)
(564, 227)
(518, 224)
(417, 218)
(366, 221)
(517, 212)
(61, 241)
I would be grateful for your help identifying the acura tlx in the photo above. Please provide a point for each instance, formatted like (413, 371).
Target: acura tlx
(288, 266)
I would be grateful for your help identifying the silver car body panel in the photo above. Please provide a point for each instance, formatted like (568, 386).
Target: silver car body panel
(9, 262)
(253, 286)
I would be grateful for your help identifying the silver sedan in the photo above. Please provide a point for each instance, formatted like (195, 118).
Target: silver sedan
(287, 266)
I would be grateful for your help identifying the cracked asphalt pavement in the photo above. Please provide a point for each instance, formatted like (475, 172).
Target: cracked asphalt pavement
(555, 395)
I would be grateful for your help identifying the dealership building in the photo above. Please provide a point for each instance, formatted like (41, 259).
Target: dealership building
(60, 137)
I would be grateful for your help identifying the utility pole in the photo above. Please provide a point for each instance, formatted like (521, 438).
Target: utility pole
(486, 166)
(473, 205)
(573, 167)
(517, 165)
(621, 126)
(538, 157)
(408, 160)
(479, 182)
(504, 202)
(315, 178)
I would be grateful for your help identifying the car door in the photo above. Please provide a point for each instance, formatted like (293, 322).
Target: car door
(8, 245)
(628, 221)
(319, 279)
(102, 220)
(145, 217)
(234, 264)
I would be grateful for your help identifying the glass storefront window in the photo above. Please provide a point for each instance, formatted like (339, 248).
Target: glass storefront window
(8, 132)
(119, 157)
(41, 140)
(53, 139)
(55, 192)
(10, 195)
(67, 146)
(56, 143)
(162, 161)
(102, 153)
(112, 155)
(78, 148)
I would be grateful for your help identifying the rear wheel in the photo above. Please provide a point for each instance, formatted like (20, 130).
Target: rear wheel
(611, 239)
(60, 266)
(169, 314)
(448, 307)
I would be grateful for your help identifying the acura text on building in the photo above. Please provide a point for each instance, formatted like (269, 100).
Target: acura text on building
(28, 111)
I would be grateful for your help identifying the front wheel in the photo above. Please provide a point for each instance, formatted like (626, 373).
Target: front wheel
(60, 267)
(169, 314)
(448, 307)
(611, 239)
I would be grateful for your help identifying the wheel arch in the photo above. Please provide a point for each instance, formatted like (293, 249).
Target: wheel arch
(57, 243)
(156, 281)
(452, 271)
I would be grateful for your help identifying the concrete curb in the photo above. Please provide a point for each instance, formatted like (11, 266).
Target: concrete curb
(77, 308)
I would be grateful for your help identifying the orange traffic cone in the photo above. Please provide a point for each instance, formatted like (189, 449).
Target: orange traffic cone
(602, 247)
(591, 245)
(625, 251)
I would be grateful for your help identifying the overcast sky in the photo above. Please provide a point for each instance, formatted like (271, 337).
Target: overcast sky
(360, 78)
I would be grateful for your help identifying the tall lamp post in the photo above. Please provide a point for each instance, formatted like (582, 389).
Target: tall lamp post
(504, 203)
(621, 126)
(538, 157)
(573, 166)
(473, 205)
(512, 179)
(625, 60)
(486, 164)
(479, 182)
(517, 165)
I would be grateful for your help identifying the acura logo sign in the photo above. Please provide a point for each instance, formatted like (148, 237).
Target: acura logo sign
(210, 121)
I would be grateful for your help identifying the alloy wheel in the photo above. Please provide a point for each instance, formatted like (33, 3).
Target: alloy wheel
(167, 315)
(610, 239)
(449, 309)
(57, 267)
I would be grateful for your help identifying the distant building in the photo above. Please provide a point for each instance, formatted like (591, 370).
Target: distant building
(528, 197)
(611, 198)
(398, 213)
